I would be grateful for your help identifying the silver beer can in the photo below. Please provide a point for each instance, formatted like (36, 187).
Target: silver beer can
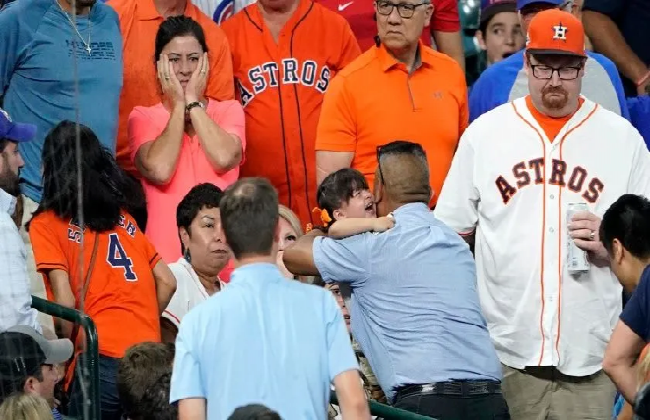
(576, 259)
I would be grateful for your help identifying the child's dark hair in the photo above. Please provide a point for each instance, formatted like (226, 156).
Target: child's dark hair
(338, 188)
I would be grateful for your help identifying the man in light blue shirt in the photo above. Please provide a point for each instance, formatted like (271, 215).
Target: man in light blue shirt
(506, 80)
(414, 308)
(264, 339)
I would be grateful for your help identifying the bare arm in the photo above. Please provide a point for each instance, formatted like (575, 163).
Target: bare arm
(192, 409)
(608, 40)
(156, 160)
(299, 257)
(352, 399)
(328, 162)
(165, 285)
(168, 331)
(626, 413)
(450, 43)
(354, 226)
(224, 150)
(63, 295)
(620, 358)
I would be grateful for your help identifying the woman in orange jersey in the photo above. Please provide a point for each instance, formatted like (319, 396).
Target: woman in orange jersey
(94, 256)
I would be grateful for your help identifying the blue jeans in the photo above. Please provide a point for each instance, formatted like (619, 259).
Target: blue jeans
(108, 396)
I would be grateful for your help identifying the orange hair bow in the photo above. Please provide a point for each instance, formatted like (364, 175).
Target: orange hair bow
(323, 214)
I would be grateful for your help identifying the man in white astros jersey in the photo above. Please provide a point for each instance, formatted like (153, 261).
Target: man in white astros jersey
(517, 169)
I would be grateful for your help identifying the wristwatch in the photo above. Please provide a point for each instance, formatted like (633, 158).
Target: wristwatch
(191, 105)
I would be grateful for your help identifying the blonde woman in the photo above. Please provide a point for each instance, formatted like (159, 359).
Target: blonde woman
(21, 406)
(290, 231)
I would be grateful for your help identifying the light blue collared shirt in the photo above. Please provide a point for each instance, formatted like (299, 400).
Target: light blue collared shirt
(263, 339)
(415, 309)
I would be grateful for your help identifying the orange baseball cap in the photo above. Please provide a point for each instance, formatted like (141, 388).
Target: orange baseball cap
(555, 31)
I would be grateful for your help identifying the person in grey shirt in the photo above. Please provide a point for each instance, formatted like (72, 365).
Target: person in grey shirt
(414, 308)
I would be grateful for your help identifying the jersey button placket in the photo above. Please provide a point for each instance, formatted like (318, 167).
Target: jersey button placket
(551, 257)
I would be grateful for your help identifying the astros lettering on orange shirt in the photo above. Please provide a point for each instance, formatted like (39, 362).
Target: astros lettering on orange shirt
(576, 179)
(307, 73)
(74, 231)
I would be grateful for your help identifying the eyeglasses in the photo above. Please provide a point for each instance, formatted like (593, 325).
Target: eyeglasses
(398, 146)
(405, 10)
(541, 71)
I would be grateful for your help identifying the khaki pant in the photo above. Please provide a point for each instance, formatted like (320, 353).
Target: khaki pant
(543, 393)
(35, 278)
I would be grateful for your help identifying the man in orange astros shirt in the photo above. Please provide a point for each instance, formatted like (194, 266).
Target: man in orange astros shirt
(284, 54)
(442, 32)
(139, 22)
(400, 89)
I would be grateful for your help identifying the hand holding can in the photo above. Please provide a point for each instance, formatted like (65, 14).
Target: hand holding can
(576, 260)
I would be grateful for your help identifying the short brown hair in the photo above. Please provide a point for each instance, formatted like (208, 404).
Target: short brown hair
(249, 216)
(141, 367)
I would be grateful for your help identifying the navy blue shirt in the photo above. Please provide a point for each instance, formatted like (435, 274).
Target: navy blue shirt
(631, 17)
(636, 313)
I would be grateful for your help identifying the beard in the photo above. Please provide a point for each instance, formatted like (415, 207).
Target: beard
(554, 97)
(9, 181)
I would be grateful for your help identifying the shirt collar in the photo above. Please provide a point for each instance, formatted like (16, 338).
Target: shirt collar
(387, 61)
(146, 10)
(411, 208)
(188, 266)
(7, 202)
(256, 271)
(304, 6)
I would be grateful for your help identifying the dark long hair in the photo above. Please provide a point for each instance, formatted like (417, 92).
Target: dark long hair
(176, 26)
(106, 189)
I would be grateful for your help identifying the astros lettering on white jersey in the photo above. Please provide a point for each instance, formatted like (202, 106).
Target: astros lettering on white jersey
(512, 185)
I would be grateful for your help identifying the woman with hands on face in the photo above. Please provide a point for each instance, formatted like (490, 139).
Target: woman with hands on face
(186, 139)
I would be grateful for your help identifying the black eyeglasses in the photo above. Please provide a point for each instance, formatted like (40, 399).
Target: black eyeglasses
(399, 146)
(405, 10)
(544, 72)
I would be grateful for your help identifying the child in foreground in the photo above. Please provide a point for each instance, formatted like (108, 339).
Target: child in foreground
(347, 207)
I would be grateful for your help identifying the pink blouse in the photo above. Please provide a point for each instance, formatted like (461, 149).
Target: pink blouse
(193, 168)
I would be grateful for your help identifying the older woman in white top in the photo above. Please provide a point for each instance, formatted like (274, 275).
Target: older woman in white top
(205, 254)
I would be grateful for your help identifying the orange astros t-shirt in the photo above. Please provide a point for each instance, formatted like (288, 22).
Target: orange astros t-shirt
(551, 126)
(121, 297)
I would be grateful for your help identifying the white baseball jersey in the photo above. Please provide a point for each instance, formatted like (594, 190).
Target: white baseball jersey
(189, 291)
(512, 185)
(220, 10)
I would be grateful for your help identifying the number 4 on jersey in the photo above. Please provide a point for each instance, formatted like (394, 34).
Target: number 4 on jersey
(117, 258)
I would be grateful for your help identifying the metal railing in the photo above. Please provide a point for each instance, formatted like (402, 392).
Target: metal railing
(90, 367)
(386, 412)
(89, 363)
